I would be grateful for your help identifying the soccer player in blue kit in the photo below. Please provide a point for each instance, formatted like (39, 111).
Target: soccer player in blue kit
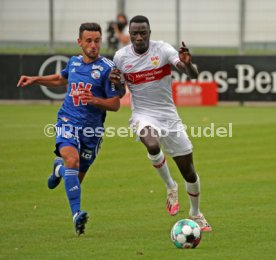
(89, 95)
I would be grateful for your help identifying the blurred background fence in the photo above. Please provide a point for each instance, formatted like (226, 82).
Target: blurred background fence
(213, 24)
(212, 29)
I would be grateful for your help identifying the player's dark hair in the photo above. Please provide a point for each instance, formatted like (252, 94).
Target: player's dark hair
(93, 27)
(139, 19)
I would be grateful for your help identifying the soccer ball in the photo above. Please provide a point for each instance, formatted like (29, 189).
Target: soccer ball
(186, 234)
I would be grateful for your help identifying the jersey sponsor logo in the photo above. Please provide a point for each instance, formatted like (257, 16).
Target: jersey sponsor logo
(95, 74)
(74, 63)
(148, 75)
(97, 67)
(155, 61)
(76, 90)
(129, 66)
(113, 88)
(87, 154)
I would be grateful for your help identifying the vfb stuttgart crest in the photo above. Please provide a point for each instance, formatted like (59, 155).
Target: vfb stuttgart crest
(155, 61)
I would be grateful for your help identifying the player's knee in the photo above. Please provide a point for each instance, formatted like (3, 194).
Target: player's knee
(72, 162)
(153, 148)
(189, 174)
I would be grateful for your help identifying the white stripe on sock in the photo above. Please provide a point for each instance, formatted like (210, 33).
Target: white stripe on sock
(57, 170)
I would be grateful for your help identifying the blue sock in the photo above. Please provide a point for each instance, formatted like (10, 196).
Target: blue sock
(72, 187)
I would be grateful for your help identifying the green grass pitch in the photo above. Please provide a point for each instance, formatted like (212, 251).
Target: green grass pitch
(126, 199)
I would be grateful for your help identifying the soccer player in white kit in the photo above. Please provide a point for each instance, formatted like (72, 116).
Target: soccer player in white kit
(144, 66)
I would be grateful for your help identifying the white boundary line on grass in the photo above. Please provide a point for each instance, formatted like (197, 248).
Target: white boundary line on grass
(220, 103)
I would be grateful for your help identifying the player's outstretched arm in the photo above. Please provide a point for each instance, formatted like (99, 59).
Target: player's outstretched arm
(109, 104)
(185, 65)
(54, 80)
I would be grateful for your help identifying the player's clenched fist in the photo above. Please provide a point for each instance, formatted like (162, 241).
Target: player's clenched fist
(115, 76)
(87, 97)
(184, 54)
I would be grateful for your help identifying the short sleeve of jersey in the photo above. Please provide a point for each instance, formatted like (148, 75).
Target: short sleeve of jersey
(64, 73)
(172, 53)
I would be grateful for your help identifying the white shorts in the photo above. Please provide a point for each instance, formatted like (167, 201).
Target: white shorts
(171, 133)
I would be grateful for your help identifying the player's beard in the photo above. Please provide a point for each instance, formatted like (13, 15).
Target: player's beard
(92, 54)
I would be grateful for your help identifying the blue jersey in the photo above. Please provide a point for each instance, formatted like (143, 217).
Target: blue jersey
(91, 76)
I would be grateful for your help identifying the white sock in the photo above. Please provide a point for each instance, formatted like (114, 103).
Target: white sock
(193, 190)
(160, 164)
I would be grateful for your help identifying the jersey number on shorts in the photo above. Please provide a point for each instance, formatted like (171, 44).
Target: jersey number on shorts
(75, 91)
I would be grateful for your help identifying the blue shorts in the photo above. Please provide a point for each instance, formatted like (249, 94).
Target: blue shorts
(87, 147)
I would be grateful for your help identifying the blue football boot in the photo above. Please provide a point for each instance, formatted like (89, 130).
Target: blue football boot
(53, 180)
(80, 219)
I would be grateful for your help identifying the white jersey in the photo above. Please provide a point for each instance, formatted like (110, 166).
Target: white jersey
(149, 79)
